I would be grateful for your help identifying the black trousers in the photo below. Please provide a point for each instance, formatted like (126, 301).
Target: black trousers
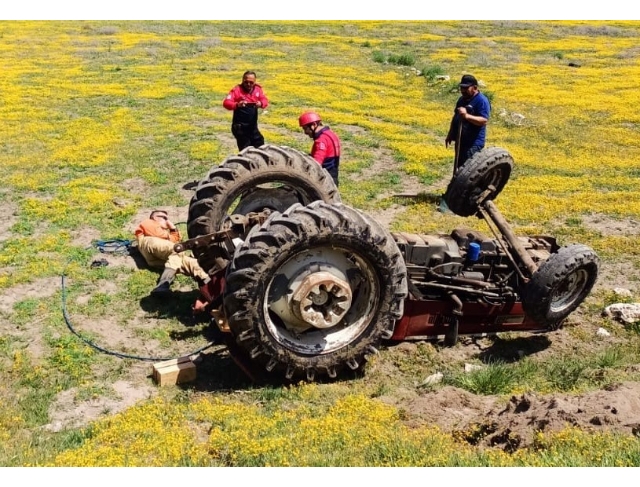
(247, 135)
(333, 171)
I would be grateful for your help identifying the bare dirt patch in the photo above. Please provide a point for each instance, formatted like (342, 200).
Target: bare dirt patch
(110, 335)
(40, 288)
(135, 185)
(8, 218)
(618, 275)
(85, 237)
(510, 424)
(67, 412)
(29, 333)
(609, 226)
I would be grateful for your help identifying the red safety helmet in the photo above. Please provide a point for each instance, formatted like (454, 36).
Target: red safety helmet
(308, 117)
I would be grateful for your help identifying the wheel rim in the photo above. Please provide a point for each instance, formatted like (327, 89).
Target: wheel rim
(320, 300)
(494, 178)
(569, 290)
(273, 197)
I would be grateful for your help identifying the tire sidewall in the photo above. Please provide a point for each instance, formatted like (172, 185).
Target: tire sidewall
(239, 175)
(553, 274)
(470, 180)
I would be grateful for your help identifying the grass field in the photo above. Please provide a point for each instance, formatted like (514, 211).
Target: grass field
(102, 121)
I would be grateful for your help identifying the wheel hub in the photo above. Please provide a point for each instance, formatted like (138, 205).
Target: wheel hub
(321, 299)
(566, 295)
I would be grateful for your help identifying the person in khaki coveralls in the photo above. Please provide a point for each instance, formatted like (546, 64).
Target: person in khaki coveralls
(156, 236)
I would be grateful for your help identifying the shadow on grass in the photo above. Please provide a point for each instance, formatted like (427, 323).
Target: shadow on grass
(415, 198)
(138, 259)
(229, 368)
(217, 371)
(176, 304)
(513, 349)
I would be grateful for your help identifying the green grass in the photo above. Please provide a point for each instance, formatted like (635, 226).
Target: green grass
(379, 57)
(431, 72)
(493, 379)
(401, 59)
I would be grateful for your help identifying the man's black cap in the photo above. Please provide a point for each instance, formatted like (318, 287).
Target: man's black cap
(468, 80)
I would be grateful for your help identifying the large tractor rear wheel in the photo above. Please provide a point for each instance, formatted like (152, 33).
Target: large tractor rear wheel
(268, 177)
(560, 284)
(312, 291)
(491, 166)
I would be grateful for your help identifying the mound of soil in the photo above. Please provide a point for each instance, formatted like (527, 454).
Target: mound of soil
(489, 421)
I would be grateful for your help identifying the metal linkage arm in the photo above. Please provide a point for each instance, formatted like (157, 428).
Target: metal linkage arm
(235, 226)
(489, 211)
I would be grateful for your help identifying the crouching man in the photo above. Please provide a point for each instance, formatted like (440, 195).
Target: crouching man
(156, 237)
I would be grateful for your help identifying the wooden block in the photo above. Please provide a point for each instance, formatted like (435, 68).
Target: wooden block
(174, 371)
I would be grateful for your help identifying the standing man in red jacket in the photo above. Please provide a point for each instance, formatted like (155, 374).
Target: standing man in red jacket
(245, 99)
(326, 144)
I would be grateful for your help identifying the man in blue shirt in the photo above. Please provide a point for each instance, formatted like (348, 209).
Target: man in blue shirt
(469, 123)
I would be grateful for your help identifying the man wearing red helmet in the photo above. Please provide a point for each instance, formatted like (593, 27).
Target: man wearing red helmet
(326, 144)
(245, 99)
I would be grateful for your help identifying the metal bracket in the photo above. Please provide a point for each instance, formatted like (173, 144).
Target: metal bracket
(234, 226)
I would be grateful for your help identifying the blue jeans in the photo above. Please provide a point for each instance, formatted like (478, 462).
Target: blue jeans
(467, 152)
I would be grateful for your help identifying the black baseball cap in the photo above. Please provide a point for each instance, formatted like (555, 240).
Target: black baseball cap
(468, 80)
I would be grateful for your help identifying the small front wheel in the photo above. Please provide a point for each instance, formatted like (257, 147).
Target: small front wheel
(489, 167)
(560, 284)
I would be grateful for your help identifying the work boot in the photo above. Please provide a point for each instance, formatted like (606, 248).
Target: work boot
(443, 207)
(164, 283)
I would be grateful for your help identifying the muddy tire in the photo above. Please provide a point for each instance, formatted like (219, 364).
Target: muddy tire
(560, 285)
(490, 166)
(237, 185)
(312, 291)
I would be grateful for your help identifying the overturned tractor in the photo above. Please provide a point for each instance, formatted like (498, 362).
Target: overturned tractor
(305, 287)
